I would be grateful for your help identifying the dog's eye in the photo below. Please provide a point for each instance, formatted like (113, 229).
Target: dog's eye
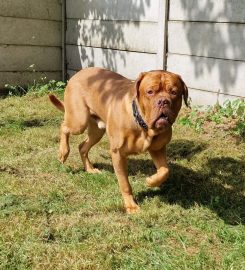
(150, 92)
(173, 92)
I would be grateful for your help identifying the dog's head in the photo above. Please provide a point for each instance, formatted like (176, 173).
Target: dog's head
(159, 95)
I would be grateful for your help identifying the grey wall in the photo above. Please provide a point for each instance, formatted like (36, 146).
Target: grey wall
(30, 41)
(205, 41)
(120, 35)
(206, 45)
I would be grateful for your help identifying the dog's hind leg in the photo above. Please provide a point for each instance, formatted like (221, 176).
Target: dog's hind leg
(64, 143)
(94, 135)
(75, 122)
(65, 132)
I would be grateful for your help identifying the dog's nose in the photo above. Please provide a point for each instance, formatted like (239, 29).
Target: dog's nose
(162, 102)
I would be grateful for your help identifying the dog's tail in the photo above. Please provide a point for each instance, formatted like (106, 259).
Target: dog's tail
(57, 103)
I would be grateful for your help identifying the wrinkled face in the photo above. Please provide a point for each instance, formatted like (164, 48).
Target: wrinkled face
(159, 94)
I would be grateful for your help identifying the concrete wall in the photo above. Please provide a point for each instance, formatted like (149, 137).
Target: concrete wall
(30, 41)
(124, 36)
(206, 41)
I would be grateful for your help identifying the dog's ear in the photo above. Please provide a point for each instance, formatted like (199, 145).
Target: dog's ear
(137, 84)
(185, 94)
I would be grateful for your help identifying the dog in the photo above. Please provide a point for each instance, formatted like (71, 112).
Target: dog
(137, 117)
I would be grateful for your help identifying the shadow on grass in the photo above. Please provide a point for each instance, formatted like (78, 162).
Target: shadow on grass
(178, 149)
(187, 188)
(31, 123)
(135, 167)
(218, 185)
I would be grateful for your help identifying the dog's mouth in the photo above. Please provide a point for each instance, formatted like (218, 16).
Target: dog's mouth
(163, 120)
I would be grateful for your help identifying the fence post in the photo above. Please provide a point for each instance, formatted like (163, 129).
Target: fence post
(162, 35)
(63, 45)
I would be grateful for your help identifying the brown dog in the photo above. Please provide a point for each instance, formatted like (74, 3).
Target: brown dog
(137, 117)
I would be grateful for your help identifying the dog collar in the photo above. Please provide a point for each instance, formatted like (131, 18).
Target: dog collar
(138, 118)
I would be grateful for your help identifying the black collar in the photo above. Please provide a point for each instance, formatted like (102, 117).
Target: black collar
(138, 118)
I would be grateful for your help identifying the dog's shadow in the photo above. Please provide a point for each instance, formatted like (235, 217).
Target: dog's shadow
(178, 149)
(218, 185)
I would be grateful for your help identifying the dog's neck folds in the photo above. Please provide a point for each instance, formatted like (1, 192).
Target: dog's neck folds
(137, 116)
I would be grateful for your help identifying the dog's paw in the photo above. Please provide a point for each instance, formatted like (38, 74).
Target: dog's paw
(157, 179)
(63, 156)
(132, 209)
(93, 170)
(154, 181)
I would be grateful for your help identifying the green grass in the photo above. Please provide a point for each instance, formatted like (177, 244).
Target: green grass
(230, 117)
(55, 216)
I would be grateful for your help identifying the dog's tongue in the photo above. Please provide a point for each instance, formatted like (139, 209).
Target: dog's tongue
(162, 121)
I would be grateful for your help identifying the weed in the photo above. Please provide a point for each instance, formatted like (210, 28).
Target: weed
(193, 119)
(15, 90)
(38, 88)
(229, 117)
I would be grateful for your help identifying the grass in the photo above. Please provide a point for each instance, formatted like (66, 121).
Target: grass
(55, 216)
(230, 117)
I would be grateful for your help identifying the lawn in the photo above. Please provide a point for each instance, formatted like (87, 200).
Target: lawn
(55, 216)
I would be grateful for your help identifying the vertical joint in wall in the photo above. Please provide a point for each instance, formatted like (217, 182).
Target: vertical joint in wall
(64, 29)
(162, 34)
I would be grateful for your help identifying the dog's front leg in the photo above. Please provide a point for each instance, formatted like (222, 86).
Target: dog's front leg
(121, 169)
(160, 161)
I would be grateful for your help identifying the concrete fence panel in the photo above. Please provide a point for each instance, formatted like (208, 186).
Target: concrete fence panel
(111, 59)
(108, 34)
(202, 40)
(124, 36)
(30, 41)
(32, 9)
(206, 46)
(114, 10)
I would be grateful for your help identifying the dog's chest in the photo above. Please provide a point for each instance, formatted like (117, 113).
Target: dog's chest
(146, 143)
(138, 144)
